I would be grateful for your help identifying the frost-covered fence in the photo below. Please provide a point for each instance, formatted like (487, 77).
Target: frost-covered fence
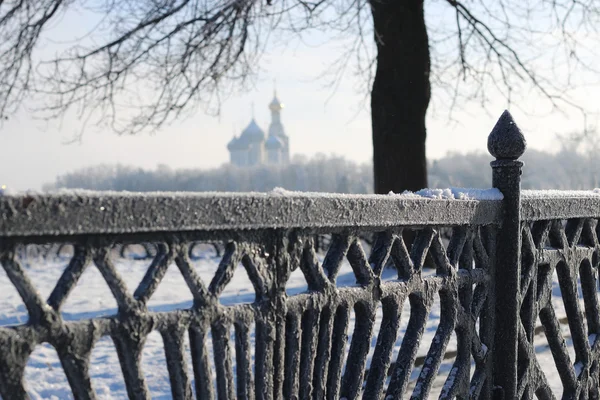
(351, 322)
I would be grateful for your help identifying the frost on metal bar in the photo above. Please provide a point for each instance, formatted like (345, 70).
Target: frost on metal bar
(280, 345)
(81, 213)
(539, 205)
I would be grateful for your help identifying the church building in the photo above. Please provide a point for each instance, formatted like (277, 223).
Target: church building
(252, 147)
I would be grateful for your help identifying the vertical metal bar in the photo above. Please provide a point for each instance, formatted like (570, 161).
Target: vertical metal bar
(243, 356)
(264, 371)
(588, 288)
(382, 357)
(338, 350)
(129, 350)
(359, 348)
(74, 356)
(310, 330)
(487, 319)
(223, 363)
(279, 354)
(419, 312)
(437, 349)
(173, 340)
(292, 356)
(200, 362)
(507, 144)
(271, 345)
(323, 353)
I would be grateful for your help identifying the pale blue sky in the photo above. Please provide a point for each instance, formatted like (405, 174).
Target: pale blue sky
(317, 119)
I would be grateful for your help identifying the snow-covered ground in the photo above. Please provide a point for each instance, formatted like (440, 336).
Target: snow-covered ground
(92, 298)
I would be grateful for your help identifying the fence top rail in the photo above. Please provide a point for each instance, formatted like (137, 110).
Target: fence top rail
(539, 205)
(84, 213)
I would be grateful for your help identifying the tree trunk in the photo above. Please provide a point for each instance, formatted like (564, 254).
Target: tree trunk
(400, 95)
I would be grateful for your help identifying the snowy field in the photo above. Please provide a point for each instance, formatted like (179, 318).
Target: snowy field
(92, 298)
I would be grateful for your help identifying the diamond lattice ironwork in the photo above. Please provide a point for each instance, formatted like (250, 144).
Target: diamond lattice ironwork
(568, 250)
(296, 343)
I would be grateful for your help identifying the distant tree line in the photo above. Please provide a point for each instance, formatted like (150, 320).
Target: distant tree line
(318, 174)
(575, 166)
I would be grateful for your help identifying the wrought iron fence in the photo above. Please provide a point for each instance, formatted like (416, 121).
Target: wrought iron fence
(490, 280)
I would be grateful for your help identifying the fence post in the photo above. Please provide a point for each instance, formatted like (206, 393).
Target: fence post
(506, 143)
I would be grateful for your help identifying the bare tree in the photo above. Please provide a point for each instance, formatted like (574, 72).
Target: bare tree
(148, 61)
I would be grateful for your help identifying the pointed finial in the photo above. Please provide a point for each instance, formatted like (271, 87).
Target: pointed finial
(274, 87)
(506, 141)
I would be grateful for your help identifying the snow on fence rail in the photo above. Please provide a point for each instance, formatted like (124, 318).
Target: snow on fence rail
(356, 329)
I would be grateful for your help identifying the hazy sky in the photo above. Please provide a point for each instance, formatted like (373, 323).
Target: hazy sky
(317, 119)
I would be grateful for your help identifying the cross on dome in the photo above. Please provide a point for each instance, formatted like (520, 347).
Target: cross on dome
(275, 104)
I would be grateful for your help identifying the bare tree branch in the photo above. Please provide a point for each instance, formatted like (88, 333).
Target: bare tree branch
(150, 62)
